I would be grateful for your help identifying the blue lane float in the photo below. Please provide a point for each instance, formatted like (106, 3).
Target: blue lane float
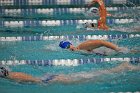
(29, 11)
(67, 62)
(62, 2)
(69, 37)
(34, 23)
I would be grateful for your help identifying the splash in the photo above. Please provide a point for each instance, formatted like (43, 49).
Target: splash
(52, 47)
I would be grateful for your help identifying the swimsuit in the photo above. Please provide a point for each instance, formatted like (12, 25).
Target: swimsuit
(47, 78)
(99, 23)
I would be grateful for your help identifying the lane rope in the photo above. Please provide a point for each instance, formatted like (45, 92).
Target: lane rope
(66, 62)
(69, 37)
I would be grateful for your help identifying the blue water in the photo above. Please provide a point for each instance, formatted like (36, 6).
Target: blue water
(49, 50)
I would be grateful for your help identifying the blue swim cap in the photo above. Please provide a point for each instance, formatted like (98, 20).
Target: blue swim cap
(64, 44)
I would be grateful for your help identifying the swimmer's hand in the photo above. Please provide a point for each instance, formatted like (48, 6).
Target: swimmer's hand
(123, 50)
(109, 14)
(89, 5)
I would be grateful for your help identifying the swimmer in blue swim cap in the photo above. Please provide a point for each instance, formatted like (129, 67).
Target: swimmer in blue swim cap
(88, 45)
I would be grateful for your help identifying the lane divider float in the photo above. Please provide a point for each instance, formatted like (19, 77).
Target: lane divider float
(66, 62)
(35, 23)
(69, 37)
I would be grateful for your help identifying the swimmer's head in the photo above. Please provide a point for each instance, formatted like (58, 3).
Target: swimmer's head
(89, 25)
(3, 72)
(94, 10)
(67, 45)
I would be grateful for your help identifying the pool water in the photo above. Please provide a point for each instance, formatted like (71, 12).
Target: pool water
(49, 50)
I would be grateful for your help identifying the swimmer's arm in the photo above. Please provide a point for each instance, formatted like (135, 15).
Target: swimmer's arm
(92, 2)
(22, 77)
(86, 76)
(110, 45)
(63, 79)
(76, 78)
(125, 66)
(135, 51)
(67, 79)
(108, 14)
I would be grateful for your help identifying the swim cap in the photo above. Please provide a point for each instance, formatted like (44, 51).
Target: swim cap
(64, 44)
(3, 72)
(92, 12)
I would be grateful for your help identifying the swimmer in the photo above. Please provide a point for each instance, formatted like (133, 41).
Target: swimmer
(92, 46)
(103, 14)
(89, 45)
(89, 25)
(22, 77)
(92, 12)
(69, 78)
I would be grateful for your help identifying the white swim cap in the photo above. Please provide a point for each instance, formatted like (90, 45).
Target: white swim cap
(93, 11)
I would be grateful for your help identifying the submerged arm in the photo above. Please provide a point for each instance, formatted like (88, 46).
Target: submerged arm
(86, 76)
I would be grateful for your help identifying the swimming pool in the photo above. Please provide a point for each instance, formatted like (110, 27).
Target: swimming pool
(30, 35)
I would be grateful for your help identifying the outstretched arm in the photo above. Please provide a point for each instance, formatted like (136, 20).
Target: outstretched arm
(85, 76)
(125, 66)
(110, 45)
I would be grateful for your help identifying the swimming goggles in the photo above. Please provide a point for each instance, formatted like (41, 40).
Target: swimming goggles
(68, 46)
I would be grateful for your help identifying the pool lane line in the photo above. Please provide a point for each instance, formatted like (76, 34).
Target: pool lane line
(30, 10)
(67, 62)
(62, 2)
(34, 23)
(69, 37)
